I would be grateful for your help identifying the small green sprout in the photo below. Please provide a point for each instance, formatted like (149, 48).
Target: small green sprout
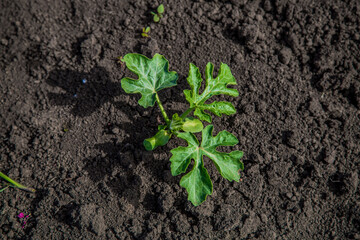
(13, 183)
(159, 14)
(145, 32)
(154, 76)
(120, 60)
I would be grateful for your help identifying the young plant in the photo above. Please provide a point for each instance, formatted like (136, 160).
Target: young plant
(120, 60)
(13, 183)
(154, 76)
(159, 14)
(145, 32)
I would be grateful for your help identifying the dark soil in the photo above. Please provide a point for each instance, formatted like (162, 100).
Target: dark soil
(297, 64)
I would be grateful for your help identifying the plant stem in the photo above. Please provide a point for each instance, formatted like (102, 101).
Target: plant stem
(189, 110)
(167, 120)
(4, 188)
(16, 184)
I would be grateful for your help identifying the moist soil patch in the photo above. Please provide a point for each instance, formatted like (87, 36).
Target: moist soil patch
(79, 144)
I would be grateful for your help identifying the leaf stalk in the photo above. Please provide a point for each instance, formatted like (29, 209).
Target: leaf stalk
(167, 120)
(187, 112)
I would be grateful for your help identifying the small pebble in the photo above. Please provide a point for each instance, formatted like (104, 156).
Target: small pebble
(356, 236)
(126, 22)
(330, 157)
(263, 218)
(259, 18)
(4, 42)
(249, 33)
(10, 234)
(289, 195)
(357, 36)
(239, 58)
(285, 55)
(115, 130)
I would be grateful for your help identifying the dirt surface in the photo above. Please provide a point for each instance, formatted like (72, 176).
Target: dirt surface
(79, 144)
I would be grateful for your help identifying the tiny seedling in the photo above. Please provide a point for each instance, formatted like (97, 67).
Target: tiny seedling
(120, 59)
(13, 183)
(145, 32)
(154, 76)
(159, 14)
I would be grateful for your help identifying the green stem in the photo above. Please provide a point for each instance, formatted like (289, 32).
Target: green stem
(16, 184)
(4, 188)
(189, 110)
(167, 120)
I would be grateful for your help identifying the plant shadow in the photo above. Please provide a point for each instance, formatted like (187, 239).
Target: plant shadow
(118, 168)
(86, 92)
(117, 165)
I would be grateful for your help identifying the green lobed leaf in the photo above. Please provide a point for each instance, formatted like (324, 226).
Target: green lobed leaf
(153, 76)
(218, 108)
(197, 182)
(214, 86)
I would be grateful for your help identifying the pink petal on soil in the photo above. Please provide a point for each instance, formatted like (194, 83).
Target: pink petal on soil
(21, 215)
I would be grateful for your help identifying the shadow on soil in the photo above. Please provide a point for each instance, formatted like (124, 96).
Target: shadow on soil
(86, 93)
